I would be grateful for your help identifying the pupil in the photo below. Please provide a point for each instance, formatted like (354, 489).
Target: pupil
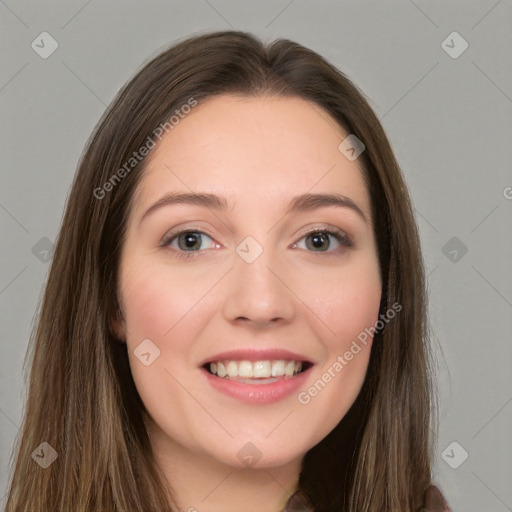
(192, 241)
(319, 239)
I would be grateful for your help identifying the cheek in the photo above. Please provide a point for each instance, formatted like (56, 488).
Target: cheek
(169, 308)
(346, 302)
(160, 307)
(350, 308)
(149, 309)
(153, 307)
(351, 314)
(156, 301)
(356, 308)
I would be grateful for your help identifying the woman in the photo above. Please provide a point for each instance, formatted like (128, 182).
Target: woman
(235, 317)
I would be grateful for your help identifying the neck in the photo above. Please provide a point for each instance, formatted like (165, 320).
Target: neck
(201, 483)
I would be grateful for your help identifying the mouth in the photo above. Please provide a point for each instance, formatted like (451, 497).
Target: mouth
(256, 377)
(257, 372)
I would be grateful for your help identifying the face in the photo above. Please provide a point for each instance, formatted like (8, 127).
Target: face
(255, 281)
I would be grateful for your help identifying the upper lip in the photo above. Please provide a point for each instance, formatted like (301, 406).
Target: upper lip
(257, 355)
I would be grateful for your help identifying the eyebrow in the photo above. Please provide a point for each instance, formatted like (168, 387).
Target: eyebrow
(303, 203)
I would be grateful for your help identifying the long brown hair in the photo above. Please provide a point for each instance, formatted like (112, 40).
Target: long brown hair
(82, 400)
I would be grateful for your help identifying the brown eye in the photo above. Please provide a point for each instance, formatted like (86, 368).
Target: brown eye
(319, 240)
(324, 240)
(189, 241)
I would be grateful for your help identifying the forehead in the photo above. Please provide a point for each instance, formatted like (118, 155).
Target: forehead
(253, 150)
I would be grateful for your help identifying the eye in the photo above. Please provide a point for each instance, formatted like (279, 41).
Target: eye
(324, 240)
(188, 241)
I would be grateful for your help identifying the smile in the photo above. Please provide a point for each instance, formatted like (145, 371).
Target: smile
(257, 382)
(255, 372)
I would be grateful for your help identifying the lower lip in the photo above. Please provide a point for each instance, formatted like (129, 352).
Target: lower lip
(257, 393)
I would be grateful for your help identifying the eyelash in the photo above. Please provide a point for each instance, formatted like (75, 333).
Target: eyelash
(339, 235)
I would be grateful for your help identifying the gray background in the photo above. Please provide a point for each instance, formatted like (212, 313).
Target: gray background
(449, 121)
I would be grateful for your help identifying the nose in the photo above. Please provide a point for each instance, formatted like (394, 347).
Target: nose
(259, 293)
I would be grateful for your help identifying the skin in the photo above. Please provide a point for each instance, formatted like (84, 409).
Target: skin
(258, 153)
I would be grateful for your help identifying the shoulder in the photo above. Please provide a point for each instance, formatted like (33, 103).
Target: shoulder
(434, 501)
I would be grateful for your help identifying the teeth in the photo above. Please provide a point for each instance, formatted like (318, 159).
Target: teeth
(261, 369)
(255, 370)
(221, 370)
(245, 369)
(289, 368)
(277, 368)
(232, 369)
